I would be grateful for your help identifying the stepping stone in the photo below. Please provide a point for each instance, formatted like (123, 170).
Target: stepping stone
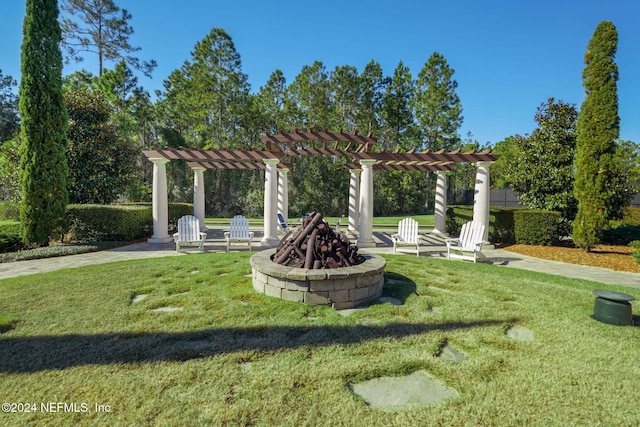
(390, 300)
(167, 309)
(138, 298)
(179, 293)
(390, 393)
(449, 352)
(520, 333)
(349, 311)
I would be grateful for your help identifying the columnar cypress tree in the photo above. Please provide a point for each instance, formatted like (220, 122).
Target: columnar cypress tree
(597, 129)
(43, 163)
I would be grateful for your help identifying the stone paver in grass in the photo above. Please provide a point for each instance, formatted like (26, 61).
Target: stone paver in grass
(390, 300)
(449, 352)
(137, 298)
(519, 333)
(167, 309)
(392, 393)
(349, 311)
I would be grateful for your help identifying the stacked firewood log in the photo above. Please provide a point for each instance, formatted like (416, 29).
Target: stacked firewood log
(315, 245)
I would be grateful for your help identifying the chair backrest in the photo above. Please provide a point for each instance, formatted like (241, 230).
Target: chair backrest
(239, 227)
(283, 223)
(471, 234)
(188, 228)
(408, 230)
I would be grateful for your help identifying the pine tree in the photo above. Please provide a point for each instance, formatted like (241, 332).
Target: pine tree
(101, 27)
(597, 129)
(43, 164)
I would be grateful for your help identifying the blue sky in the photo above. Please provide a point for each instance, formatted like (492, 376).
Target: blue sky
(509, 56)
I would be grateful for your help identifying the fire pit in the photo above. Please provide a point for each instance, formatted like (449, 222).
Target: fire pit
(317, 266)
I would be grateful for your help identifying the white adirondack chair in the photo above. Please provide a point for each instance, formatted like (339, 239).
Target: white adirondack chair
(283, 227)
(189, 233)
(469, 245)
(407, 235)
(238, 231)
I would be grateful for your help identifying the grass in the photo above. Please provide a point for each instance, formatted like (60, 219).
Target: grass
(235, 357)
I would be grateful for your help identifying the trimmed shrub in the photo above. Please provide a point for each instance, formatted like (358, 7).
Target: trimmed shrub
(9, 210)
(631, 216)
(124, 222)
(501, 228)
(99, 223)
(536, 227)
(177, 210)
(10, 238)
(636, 253)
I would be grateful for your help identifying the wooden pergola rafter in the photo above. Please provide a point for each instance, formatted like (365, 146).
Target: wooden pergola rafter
(325, 143)
(364, 152)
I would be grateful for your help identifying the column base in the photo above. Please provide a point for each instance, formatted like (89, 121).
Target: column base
(366, 243)
(160, 239)
(270, 241)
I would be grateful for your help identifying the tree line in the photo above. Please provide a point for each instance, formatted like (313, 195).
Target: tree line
(208, 103)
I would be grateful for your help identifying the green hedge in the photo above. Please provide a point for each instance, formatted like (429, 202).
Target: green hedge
(510, 225)
(501, 229)
(536, 227)
(100, 223)
(10, 237)
(9, 210)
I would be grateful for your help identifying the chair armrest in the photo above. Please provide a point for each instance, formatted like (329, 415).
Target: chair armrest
(251, 233)
(176, 236)
(226, 234)
(203, 235)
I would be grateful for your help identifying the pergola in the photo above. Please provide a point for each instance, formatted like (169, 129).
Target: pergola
(285, 146)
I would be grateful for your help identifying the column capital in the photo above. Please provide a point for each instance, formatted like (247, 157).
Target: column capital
(160, 160)
(442, 173)
(283, 170)
(271, 161)
(367, 163)
(198, 168)
(483, 164)
(355, 171)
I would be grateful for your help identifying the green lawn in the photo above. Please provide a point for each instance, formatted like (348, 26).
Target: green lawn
(235, 357)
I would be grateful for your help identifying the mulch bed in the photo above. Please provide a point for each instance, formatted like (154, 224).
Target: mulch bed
(616, 258)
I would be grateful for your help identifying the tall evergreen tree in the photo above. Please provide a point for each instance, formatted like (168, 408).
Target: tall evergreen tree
(541, 167)
(597, 129)
(310, 94)
(100, 27)
(345, 87)
(399, 128)
(270, 102)
(437, 106)
(9, 120)
(372, 88)
(43, 164)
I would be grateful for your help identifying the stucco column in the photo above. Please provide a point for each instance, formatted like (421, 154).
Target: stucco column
(481, 196)
(270, 203)
(440, 213)
(283, 193)
(354, 200)
(198, 195)
(365, 236)
(160, 205)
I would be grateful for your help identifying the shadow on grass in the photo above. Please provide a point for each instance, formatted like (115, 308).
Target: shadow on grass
(38, 353)
(398, 286)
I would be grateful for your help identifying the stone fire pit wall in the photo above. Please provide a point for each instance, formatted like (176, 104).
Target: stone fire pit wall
(344, 287)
